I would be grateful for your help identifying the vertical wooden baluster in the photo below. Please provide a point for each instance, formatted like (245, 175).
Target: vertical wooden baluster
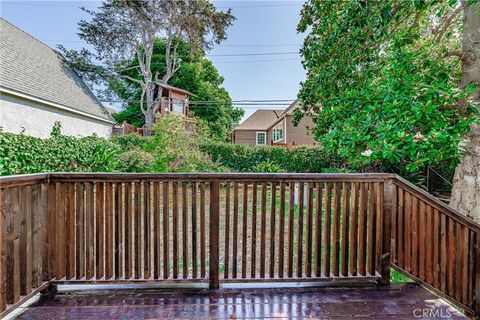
(395, 228)
(443, 252)
(263, 231)
(301, 190)
(291, 221)
(429, 245)
(244, 229)
(166, 224)
(89, 231)
(194, 231)
(345, 227)
(463, 269)
(400, 244)
(48, 256)
(157, 240)
(318, 229)
(69, 231)
(80, 229)
(119, 233)
(436, 248)
(214, 233)
(100, 233)
(203, 256)
(147, 231)
(254, 232)
(336, 228)
(309, 226)
(272, 228)
(109, 227)
(452, 256)
(354, 230)
(408, 231)
(60, 232)
(175, 230)
(326, 237)
(129, 223)
(422, 240)
(383, 192)
(281, 246)
(3, 249)
(44, 217)
(12, 225)
(371, 230)
(235, 230)
(137, 245)
(456, 262)
(476, 272)
(362, 229)
(415, 235)
(37, 240)
(184, 231)
(227, 230)
(26, 240)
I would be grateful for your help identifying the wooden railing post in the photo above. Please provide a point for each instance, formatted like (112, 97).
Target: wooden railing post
(389, 197)
(214, 235)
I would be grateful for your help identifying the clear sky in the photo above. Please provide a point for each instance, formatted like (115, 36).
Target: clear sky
(267, 28)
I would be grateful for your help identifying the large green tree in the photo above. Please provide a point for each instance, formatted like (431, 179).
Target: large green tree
(121, 29)
(392, 84)
(211, 102)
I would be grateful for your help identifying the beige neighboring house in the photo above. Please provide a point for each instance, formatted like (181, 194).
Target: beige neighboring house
(37, 88)
(274, 127)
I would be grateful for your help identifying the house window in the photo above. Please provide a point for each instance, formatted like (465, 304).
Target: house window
(261, 138)
(177, 106)
(277, 134)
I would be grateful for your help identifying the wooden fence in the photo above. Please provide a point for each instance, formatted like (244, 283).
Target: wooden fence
(221, 228)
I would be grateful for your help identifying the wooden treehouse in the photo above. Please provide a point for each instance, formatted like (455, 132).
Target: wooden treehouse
(233, 245)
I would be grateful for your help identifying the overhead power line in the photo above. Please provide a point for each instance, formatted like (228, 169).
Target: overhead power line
(217, 45)
(252, 54)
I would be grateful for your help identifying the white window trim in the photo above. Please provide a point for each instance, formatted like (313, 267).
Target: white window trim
(256, 138)
(273, 133)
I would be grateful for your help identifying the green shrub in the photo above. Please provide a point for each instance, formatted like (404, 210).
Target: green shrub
(175, 149)
(267, 167)
(22, 154)
(131, 141)
(251, 158)
(135, 160)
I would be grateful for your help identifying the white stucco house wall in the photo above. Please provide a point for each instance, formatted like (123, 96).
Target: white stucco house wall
(37, 88)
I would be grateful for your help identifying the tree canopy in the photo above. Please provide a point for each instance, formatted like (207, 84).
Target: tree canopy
(383, 81)
(122, 31)
(195, 74)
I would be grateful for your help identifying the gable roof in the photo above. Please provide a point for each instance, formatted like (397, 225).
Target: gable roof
(31, 69)
(287, 112)
(169, 87)
(261, 119)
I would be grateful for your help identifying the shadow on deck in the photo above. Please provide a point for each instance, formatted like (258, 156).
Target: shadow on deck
(399, 301)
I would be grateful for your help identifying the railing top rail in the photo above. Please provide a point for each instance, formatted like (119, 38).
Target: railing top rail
(22, 179)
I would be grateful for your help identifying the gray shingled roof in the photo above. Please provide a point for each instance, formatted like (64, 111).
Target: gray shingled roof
(30, 67)
(260, 120)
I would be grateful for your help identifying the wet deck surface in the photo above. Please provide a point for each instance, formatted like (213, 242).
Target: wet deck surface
(401, 301)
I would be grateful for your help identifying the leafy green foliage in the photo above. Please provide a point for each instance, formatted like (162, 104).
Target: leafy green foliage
(175, 151)
(195, 74)
(269, 159)
(21, 154)
(379, 87)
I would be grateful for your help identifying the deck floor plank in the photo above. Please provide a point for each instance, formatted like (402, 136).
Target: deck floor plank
(395, 302)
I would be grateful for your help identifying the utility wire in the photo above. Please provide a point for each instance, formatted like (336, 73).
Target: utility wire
(219, 45)
(252, 54)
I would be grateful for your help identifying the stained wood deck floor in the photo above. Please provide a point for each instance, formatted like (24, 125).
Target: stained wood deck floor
(400, 301)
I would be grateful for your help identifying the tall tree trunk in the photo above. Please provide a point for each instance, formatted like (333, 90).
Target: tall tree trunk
(150, 114)
(466, 182)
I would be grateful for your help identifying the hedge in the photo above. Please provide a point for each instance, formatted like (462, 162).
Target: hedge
(245, 158)
(22, 154)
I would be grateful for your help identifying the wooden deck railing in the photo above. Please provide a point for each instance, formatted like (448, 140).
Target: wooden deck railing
(220, 228)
